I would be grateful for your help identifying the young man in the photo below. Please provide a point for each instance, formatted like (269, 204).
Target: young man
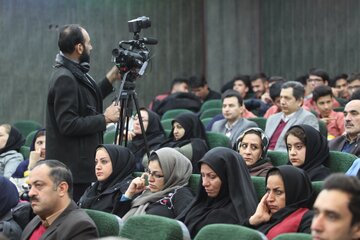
(353, 83)
(242, 85)
(341, 86)
(58, 216)
(337, 209)
(259, 84)
(200, 88)
(291, 99)
(233, 124)
(323, 98)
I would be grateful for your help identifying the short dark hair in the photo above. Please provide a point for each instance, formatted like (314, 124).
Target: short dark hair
(349, 185)
(355, 95)
(320, 73)
(59, 172)
(298, 89)
(302, 79)
(353, 77)
(274, 79)
(244, 78)
(275, 90)
(261, 75)
(196, 81)
(179, 80)
(321, 91)
(297, 132)
(70, 35)
(338, 77)
(232, 93)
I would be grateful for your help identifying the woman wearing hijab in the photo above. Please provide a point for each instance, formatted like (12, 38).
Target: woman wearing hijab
(252, 145)
(11, 141)
(114, 166)
(166, 193)
(188, 136)
(226, 193)
(308, 150)
(154, 132)
(285, 206)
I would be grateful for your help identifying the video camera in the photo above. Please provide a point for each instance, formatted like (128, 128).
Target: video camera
(133, 55)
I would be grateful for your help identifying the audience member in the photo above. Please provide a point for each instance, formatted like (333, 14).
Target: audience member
(308, 150)
(252, 146)
(226, 193)
(341, 86)
(274, 92)
(177, 85)
(166, 193)
(114, 166)
(233, 124)
(323, 99)
(241, 84)
(154, 133)
(259, 84)
(350, 141)
(74, 119)
(355, 95)
(11, 141)
(353, 82)
(285, 206)
(336, 209)
(200, 88)
(188, 136)
(291, 99)
(58, 216)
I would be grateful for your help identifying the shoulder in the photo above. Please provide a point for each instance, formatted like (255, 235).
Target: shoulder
(219, 124)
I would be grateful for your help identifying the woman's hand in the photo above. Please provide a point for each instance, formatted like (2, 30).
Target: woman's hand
(137, 185)
(262, 213)
(34, 157)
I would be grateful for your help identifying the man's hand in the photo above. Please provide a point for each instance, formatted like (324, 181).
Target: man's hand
(112, 113)
(113, 75)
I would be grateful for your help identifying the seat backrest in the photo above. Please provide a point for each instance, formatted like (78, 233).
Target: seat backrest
(278, 158)
(171, 114)
(27, 126)
(323, 129)
(260, 121)
(293, 236)
(29, 138)
(194, 182)
(317, 186)
(107, 224)
(109, 137)
(217, 140)
(340, 161)
(228, 232)
(166, 124)
(152, 227)
(210, 113)
(25, 151)
(214, 103)
(259, 185)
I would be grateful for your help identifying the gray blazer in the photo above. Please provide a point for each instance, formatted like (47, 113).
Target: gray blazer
(238, 128)
(301, 117)
(72, 224)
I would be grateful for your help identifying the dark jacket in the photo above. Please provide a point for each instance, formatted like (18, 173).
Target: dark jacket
(338, 143)
(74, 120)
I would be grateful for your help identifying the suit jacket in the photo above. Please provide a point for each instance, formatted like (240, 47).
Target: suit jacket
(338, 143)
(237, 129)
(72, 224)
(300, 117)
(74, 119)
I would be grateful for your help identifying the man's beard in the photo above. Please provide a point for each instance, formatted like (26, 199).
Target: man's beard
(85, 56)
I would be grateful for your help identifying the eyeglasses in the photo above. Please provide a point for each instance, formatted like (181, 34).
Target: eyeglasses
(154, 174)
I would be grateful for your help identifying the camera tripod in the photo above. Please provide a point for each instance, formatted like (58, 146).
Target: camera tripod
(126, 98)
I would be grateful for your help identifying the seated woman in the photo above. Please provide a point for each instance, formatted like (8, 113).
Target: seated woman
(11, 141)
(165, 194)
(188, 136)
(308, 150)
(154, 132)
(226, 193)
(285, 206)
(114, 166)
(252, 145)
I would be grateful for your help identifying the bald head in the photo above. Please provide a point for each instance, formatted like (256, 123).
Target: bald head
(352, 118)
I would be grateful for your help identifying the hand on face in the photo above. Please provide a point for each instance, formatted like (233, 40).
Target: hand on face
(262, 213)
(137, 185)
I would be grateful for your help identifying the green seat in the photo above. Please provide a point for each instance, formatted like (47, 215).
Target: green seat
(259, 185)
(228, 232)
(152, 227)
(340, 161)
(25, 151)
(317, 186)
(210, 113)
(217, 140)
(27, 126)
(29, 138)
(107, 224)
(323, 129)
(109, 137)
(278, 158)
(214, 103)
(194, 182)
(171, 114)
(293, 236)
(206, 121)
(166, 124)
(260, 121)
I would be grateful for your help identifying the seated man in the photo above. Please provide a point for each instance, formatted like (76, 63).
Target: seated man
(200, 88)
(233, 124)
(350, 141)
(58, 216)
(336, 209)
(340, 85)
(259, 84)
(353, 83)
(291, 100)
(274, 91)
(323, 98)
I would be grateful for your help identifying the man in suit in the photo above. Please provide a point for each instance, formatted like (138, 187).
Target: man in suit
(350, 141)
(58, 216)
(74, 119)
(232, 109)
(291, 100)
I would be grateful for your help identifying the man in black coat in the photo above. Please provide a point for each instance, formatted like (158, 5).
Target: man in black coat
(74, 119)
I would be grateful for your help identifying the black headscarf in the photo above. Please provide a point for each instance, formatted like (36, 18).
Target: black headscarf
(317, 152)
(14, 142)
(9, 196)
(298, 194)
(237, 196)
(155, 135)
(40, 132)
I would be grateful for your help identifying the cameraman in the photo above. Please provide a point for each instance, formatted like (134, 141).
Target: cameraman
(74, 119)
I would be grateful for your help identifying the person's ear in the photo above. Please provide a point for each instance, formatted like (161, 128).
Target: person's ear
(63, 188)
(79, 48)
(356, 231)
